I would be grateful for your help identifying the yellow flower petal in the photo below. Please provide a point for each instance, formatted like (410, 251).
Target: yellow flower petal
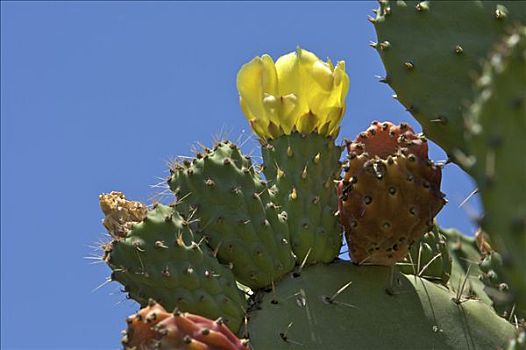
(270, 76)
(297, 92)
(307, 123)
(288, 107)
(250, 87)
(259, 129)
(322, 74)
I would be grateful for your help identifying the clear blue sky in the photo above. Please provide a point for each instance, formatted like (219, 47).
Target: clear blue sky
(98, 96)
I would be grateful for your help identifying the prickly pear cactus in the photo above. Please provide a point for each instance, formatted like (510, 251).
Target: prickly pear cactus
(296, 111)
(259, 250)
(462, 75)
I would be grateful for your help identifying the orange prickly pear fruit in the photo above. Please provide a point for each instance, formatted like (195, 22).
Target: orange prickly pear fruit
(390, 193)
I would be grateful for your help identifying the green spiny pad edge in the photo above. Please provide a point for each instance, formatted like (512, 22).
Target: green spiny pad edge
(366, 311)
(160, 259)
(498, 290)
(484, 271)
(497, 125)
(431, 50)
(429, 258)
(236, 214)
(302, 170)
(465, 271)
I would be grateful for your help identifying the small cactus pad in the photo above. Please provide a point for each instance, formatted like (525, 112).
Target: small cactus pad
(370, 307)
(431, 49)
(159, 259)
(492, 272)
(236, 214)
(389, 195)
(429, 258)
(497, 289)
(465, 271)
(154, 328)
(497, 126)
(302, 170)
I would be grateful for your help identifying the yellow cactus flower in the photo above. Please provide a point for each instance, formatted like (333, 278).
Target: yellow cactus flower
(299, 92)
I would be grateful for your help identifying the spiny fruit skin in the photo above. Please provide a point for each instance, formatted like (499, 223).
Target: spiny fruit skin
(429, 258)
(160, 258)
(155, 328)
(389, 195)
(140, 334)
(236, 213)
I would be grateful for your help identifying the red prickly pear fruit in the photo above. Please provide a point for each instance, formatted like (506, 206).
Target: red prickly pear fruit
(155, 328)
(384, 139)
(140, 333)
(389, 195)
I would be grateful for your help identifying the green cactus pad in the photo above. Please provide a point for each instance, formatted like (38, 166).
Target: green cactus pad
(485, 271)
(340, 305)
(519, 343)
(236, 214)
(431, 50)
(302, 170)
(497, 124)
(158, 258)
(492, 269)
(429, 258)
(465, 271)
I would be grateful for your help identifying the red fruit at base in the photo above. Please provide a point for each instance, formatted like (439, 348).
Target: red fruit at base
(155, 328)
